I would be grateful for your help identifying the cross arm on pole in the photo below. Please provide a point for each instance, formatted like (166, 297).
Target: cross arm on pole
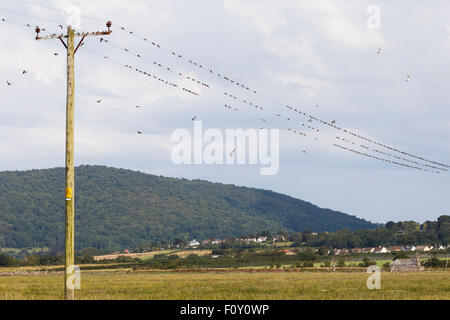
(79, 44)
(77, 34)
(62, 41)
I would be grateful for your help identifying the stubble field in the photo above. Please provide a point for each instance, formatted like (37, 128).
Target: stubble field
(229, 286)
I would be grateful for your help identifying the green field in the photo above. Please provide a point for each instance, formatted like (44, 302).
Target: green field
(230, 285)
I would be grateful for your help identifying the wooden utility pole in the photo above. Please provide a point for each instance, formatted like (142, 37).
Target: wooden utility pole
(69, 271)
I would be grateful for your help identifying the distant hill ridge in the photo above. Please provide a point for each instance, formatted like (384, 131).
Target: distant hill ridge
(124, 208)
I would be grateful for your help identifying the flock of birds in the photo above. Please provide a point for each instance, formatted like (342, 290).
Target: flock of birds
(229, 79)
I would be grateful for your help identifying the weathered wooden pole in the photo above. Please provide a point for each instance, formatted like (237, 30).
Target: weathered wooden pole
(70, 271)
(70, 181)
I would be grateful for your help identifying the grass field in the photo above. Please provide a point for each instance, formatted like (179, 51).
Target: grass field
(230, 286)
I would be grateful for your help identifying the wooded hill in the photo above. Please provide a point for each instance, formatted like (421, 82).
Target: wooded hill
(117, 208)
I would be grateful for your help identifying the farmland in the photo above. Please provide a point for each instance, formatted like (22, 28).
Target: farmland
(229, 285)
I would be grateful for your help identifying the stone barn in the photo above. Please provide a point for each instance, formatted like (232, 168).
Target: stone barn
(406, 265)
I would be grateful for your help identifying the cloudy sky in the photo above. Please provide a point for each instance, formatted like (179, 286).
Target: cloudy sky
(318, 56)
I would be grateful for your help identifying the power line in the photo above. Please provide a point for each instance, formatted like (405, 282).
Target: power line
(230, 80)
(241, 85)
(311, 118)
(381, 159)
(303, 134)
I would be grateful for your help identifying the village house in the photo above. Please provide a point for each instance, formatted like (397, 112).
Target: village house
(341, 251)
(394, 248)
(279, 239)
(217, 241)
(368, 250)
(262, 239)
(423, 248)
(406, 265)
(193, 243)
(380, 250)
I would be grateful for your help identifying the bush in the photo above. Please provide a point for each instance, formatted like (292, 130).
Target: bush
(434, 263)
(367, 262)
(307, 255)
(7, 261)
(341, 262)
(401, 255)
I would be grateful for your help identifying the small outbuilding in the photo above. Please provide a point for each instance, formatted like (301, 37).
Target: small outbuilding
(406, 265)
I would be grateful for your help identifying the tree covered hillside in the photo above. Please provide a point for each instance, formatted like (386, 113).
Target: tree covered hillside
(122, 208)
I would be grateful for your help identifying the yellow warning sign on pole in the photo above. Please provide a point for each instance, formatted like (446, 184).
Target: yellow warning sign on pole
(68, 194)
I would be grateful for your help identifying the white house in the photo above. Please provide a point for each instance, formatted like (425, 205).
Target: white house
(262, 239)
(381, 250)
(194, 243)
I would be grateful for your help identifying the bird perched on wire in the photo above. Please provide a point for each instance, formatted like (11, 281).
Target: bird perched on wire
(333, 122)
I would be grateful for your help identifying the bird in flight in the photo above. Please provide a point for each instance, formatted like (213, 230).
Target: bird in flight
(55, 54)
(304, 151)
(99, 101)
(380, 51)
(60, 25)
(232, 152)
(333, 122)
(137, 107)
(408, 78)
(193, 119)
(24, 71)
(139, 132)
(8, 83)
